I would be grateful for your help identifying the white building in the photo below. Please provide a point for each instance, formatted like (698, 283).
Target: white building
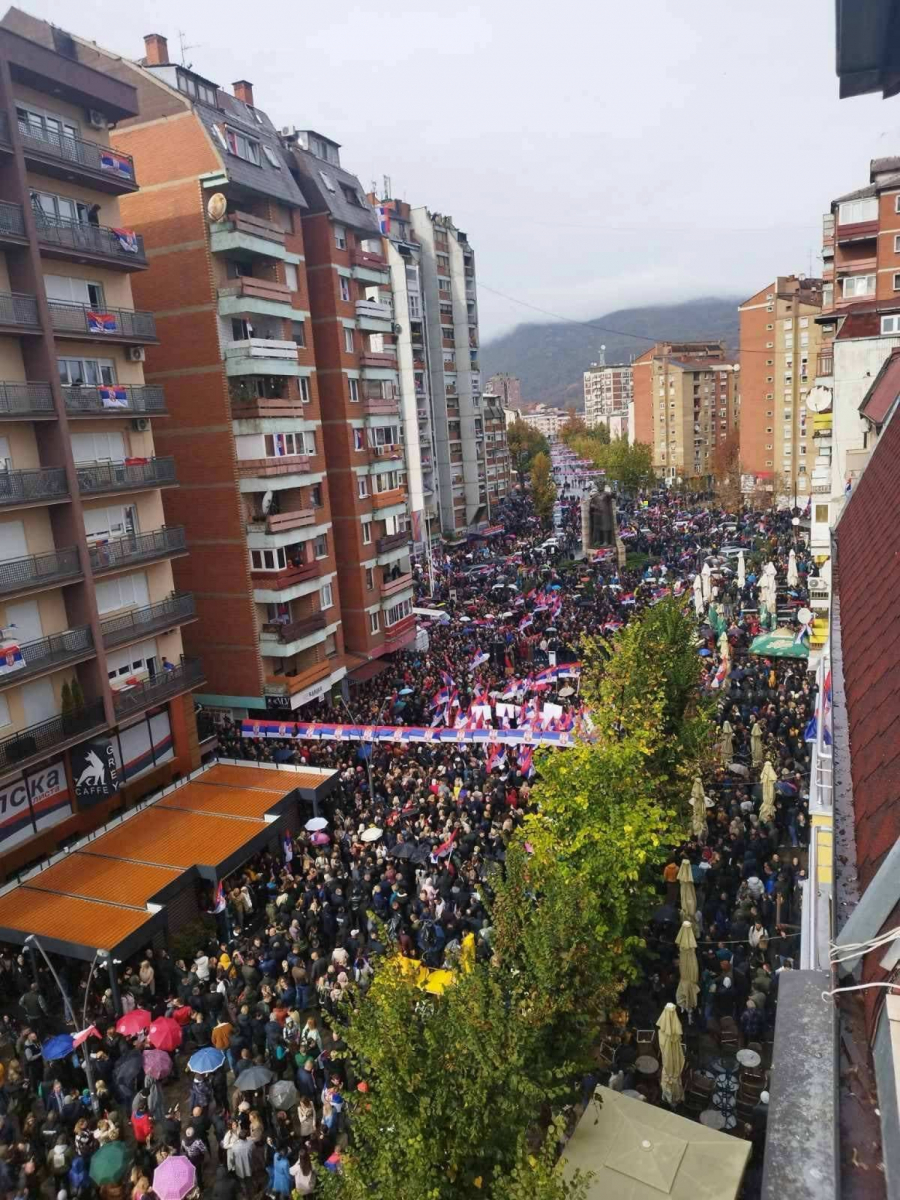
(546, 420)
(608, 391)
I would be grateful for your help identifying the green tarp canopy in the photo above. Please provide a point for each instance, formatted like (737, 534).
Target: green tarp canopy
(779, 644)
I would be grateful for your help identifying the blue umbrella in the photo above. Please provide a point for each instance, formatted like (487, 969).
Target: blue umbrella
(205, 1061)
(57, 1047)
(406, 691)
(283, 754)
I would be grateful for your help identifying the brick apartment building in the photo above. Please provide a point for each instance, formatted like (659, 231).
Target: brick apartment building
(608, 395)
(779, 347)
(90, 618)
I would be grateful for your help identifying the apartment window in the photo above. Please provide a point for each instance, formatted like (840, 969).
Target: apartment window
(340, 237)
(858, 285)
(897, 281)
(370, 579)
(890, 324)
(397, 613)
(298, 332)
(320, 546)
(359, 441)
(851, 212)
(271, 157)
(373, 622)
(897, 242)
(268, 560)
(362, 486)
(344, 284)
(86, 372)
(367, 533)
(303, 387)
(354, 391)
(291, 278)
(315, 495)
(243, 146)
(195, 88)
(326, 597)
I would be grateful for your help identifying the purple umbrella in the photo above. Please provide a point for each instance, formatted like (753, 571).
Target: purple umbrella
(320, 839)
(174, 1177)
(157, 1064)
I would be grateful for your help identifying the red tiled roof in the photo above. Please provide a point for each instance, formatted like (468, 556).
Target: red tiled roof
(884, 391)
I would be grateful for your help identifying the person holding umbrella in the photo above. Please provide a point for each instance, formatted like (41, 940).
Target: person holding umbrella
(195, 1149)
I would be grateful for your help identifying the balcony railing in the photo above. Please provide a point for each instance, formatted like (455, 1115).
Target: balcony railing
(165, 684)
(374, 310)
(391, 541)
(288, 464)
(298, 681)
(18, 309)
(282, 522)
(242, 222)
(49, 735)
(12, 222)
(114, 398)
(48, 652)
(177, 609)
(277, 581)
(825, 364)
(365, 258)
(395, 495)
(384, 360)
(80, 320)
(123, 245)
(390, 587)
(38, 570)
(139, 547)
(26, 400)
(75, 152)
(94, 478)
(33, 487)
(292, 631)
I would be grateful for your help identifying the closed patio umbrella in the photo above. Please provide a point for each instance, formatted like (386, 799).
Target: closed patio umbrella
(767, 778)
(756, 743)
(698, 596)
(698, 809)
(688, 894)
(793, 577)
(705, 582)
(741, 571)
(688, 970)
(726, 743)
(671, 1054)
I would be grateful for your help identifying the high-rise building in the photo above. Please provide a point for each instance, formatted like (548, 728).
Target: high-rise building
(608, 392)
(508, 388)
(644, 375)
(94, 690)
(544, 418)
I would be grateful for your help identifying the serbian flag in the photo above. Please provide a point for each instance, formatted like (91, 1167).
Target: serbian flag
(719, 677)
(78, 1038)
(10, 659)
(280, 445)
(384, 219)
(120, 164)
(479, 659)
(526, 760)
(99, 322)
(444, 848)
(127, 239)
(113, 397)
(219, 900)
(448, 679)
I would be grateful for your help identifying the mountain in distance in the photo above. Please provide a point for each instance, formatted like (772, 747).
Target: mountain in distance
(551, 357)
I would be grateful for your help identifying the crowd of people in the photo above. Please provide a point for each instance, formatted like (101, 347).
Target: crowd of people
(302, 926)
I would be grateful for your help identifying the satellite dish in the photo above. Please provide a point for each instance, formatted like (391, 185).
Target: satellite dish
(819, 400)
(217, 207)
(267, 503)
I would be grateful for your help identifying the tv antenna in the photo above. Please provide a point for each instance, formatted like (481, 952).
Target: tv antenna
(601, 357)
(184, 49)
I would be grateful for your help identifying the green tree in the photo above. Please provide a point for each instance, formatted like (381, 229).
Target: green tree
(629, 465)
(523, 444)
(543, 489)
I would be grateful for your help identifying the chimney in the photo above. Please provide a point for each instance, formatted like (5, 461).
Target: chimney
(156, 50)
(243, 91)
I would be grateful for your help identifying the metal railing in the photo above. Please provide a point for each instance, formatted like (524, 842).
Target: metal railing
(25, 399)
(51, 651)
(12, 220)
(91, 239)
(165, 684)
(136, 547)
(79, 152)
(47, 735)
(38, 569)
(112, 322)
(391, 541)
(16, 308)
(125, 476)
(139, 622)
(291, 631)
(113, 398)
(27, 487)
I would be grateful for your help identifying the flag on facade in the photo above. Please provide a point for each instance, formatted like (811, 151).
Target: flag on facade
(11, 658)
(119, 164)
(101, 322)
(127, 239)
(113, 397)
(384, 219)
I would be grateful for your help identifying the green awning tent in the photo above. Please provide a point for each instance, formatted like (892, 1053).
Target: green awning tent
(779, 644)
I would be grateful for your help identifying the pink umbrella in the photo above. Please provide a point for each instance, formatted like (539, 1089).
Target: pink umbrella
(157, 1064)
(174, 1177)
(320, 839)
(165, 1034)
(133, 1022)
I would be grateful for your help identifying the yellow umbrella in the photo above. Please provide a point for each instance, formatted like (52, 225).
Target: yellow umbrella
(768, 779)
(687, 953)
(688, 895)
(671, 1054)
(698, 809)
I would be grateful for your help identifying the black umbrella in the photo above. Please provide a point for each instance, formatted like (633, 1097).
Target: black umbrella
(128, 1070)
(420, 855)
(254, 1078)
(403, 850)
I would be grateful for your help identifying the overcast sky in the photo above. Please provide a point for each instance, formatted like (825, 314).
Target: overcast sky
(598, 155)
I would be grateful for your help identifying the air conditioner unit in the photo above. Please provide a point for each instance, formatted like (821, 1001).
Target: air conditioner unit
(136, 354)
(96, 118)
(140, 424)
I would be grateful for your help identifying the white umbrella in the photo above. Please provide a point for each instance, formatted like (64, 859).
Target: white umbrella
(698, 810)
(314, 824)
(688, 894)
(756, 743)
(705, 575)
(793, 577)
(768, 779)
(698, 596)
(688, 970)
(741, 570)
(772, 586)
(372, 834)
(672, 1055)
(726, 743)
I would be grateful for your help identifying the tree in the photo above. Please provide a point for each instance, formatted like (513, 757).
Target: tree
(726, 471)
(630, 466)
(543, 489)
(574, 427)
(523, 444)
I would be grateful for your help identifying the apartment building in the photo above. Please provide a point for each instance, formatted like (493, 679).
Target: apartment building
(507, 387)
(608, 393)
(644, 376)
(95, 704)
(548, 421)
(357, 360)
(780, 342)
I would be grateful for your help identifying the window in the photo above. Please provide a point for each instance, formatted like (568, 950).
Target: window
(359, 441)
(45, 126)
(897, 242)
(125, 591)
(340, 237)
(303, 385)
(272, 157)
(349, 341)
(326, 599)
(397, 613)
(351, 196)
(897, 282)
(315, 495)
(344, 284)
(362, 486)
(320, 546)
(370, 579)
(851, 212)
(291, 277)
(373, 622)
(243, 146)
(858, 285)
(98, 447)
(367, 533)
(196, 88)
(268, 560)
(890, 324)
(354, 391)
(74, 291)
(86, 372)
(280, 444)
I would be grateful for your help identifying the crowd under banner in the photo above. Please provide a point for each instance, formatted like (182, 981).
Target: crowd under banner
(399, 734)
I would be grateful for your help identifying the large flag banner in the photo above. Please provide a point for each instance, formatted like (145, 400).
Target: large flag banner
(127, 239)
(119, 164)
(100, 322)
(10, 658)
(113, 397)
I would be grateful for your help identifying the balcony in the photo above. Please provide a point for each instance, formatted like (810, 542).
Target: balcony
(177, 609)
(106, 325)
(99, 167)
(374, 316)
(31, 400)
(49, 736)
(39, 571)
(381, 406)
(18, 313)
(243, 235)
(391, 541)
(12, 224)
(857, 231)
(282, 522)
(387, 499)
(293, 631)
(132, 475)
(365, 258)
(390, 587)
(49, 653)
(115, 400)
(137, 548)
(262, 356)
(397, 636)
(384, 361)
(162, 687)
(41, 485)
(118, 249)
(825, 363)
(252, 295)
(290, 685)
(265, 468)
(279, 581)
(386, 453)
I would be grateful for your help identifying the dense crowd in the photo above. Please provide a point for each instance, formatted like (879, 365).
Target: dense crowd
(298, 928)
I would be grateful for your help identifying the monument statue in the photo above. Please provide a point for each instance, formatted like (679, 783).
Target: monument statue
(598, 523)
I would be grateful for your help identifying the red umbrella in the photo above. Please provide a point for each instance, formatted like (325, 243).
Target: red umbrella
(133, 1022)
(165, 1034)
